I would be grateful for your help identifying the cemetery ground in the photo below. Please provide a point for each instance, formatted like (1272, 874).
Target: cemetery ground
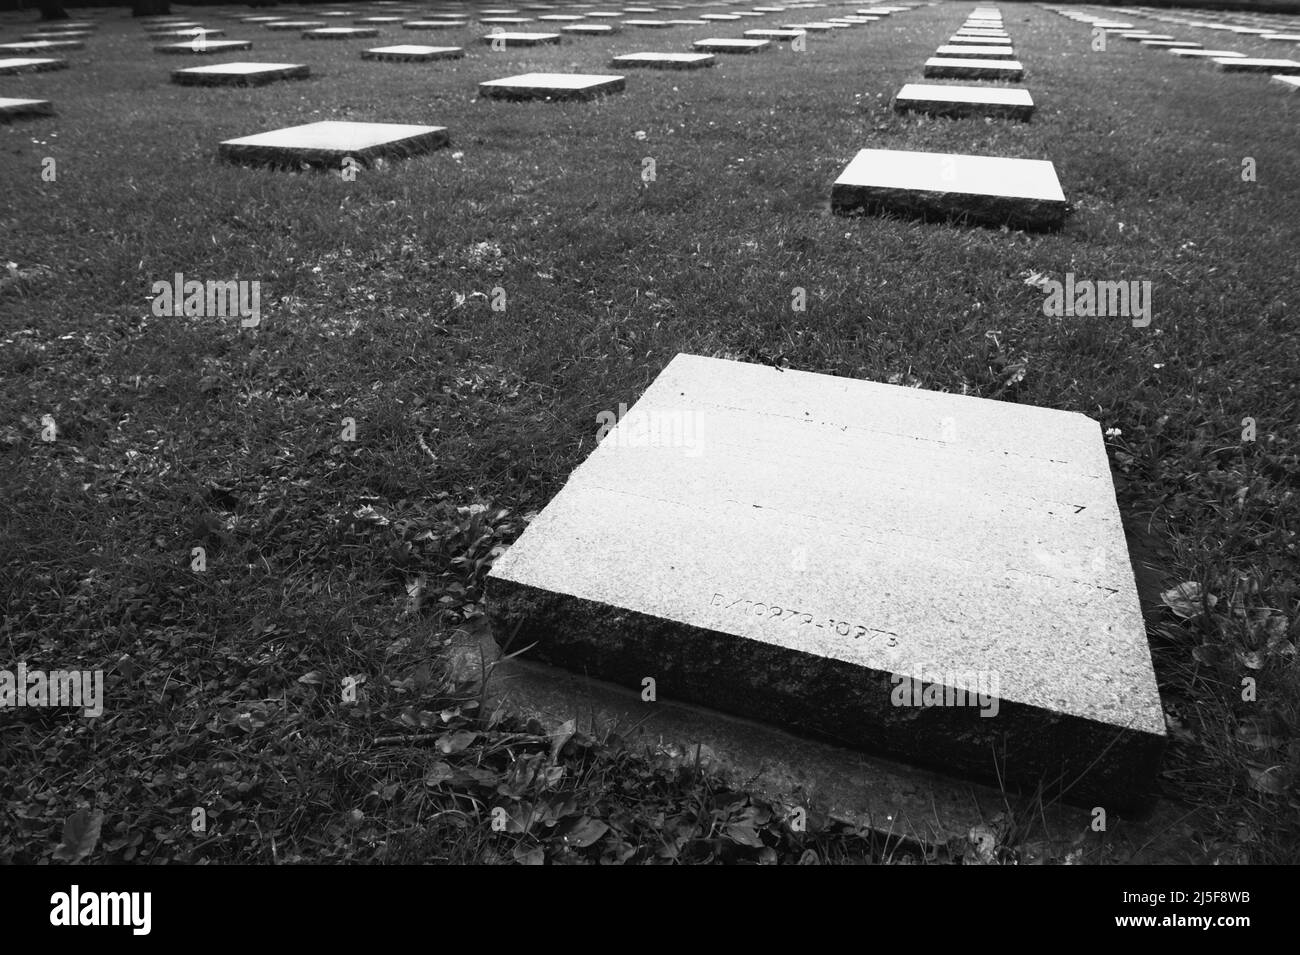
(337, 561)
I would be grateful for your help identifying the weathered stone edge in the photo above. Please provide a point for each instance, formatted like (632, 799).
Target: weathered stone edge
(959, 110)
(989, 210)
(278, 156)
(501, 92)
(829, 699)
(182, 78)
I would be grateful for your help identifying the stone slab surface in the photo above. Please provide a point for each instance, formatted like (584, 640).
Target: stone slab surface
(552, 86)
(1250, 64)
(14, 108)
(987, 189)
(239, 74)
(966, 68)
(329, 141)
(1206, 54)
(588, 29)
(434, 24)
(413, 53)
(41, 46)
(205, 48)
(817, 536)
(664, 61)
(779, 35)
(341, 33)
(976, 52)
(730, 45)
(935, 100)
(522, 39)
(1289, 82)
(30, 64)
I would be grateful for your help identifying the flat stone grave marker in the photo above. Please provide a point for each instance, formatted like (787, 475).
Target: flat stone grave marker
(253, 19)
(294, 24)
(664, 61)
(434, 24)
(28, 64)
(561, 18)
(161, 28)
(689, 23)
(505, 21)
(58, 35)
(1282, 37)
(328, 142)
(1139, 37)
(1172, 44)
(189, 33)
(202, 47)
(976, 52)
(648, 24)
(378, 21)
(1211, 54)
(603, 15)
(960, 101)
(588, 29)
(239, 74)
(840, 557)
(730, 45)
(977, 38)
(965, 68)
(14, 108)
(337, 13)
(552, 86)
(41, 46)
(817, 26)
(640, 9)
(718, 16)
(1290, 82)
(412, 53)
(1250, 64)
(341, 33)
(780, 36)
(1018, 192)
(522, 39)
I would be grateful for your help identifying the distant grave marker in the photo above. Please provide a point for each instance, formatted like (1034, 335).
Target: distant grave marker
(25, 64)
(341, 33)
(41, 46)
(294, 24)
(17, 108)
(434, 24)
(664, 61)
(201, 47)
(589, 29)
(1250, 64)
(976, 52)
(780, 36)
(239, 74)
(521, 39)
(965, 68)
(1023, 193)
(731, 45)
(412, 53)
(552, 86)
(961, 101)
(329, 142)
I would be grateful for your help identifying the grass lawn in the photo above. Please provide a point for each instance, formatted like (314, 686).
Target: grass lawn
(329, 559)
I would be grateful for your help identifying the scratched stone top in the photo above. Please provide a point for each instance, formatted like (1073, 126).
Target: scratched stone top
(898, 529)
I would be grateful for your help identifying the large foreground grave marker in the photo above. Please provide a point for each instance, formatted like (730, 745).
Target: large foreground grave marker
(16, 108)
(1018, 192)
(664, 61)
(552, 86)
(239, 74)
(959, 101)
(967, 68)
(851, 559)
(329, 142)
(413, 53)
(30, 64)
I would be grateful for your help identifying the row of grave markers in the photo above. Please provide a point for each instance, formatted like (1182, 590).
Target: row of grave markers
(1285, 72)
(1024, 193)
